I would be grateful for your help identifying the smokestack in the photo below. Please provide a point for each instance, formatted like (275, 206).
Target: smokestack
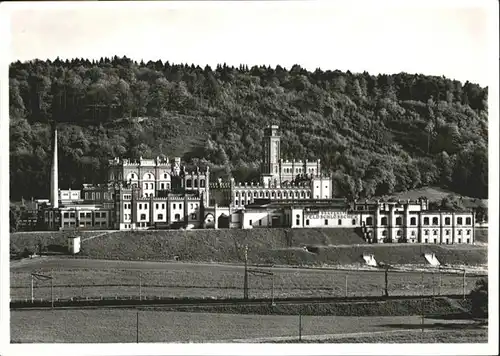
(54, 186)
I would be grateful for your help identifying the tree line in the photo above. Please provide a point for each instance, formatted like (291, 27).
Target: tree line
(374, 134)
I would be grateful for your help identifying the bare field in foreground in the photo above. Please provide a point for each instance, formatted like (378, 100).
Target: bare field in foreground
(96, 278)
(119, 326)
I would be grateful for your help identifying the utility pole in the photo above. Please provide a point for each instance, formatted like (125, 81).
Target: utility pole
(51, 290)
(137, 327)
(140, 286)
(386, 273)
(245, 281)
(464, 284)
(300, 326)
(272, 290)
(32, 296)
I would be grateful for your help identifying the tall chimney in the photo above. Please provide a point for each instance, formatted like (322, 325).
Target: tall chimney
(54, 186)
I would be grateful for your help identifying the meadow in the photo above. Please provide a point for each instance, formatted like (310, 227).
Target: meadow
(94, 278)
(120, 326)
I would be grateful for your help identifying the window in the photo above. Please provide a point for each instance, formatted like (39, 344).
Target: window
(202, 183)
(307, 222)
(88, 215)
(193, 216)
(326, 221)
(447, 221)
(354, 221)
(369, 221)
(103, 214)
(261, 194)
(413, 233)
(447, 232)
(162, 186)
(468, 232)
(156, 205)
(196, 183)
(426, 221)
(82, 215)
(267, 194)
(237, 194)
(191, 205)
(260, 223)
(468, 221)
(384, 221)
(255, 194)
(66, 215)
(71, 215)
(163, 206)
(435, 232)
(426, 232)
(250, 222)
(272, 195)
(189, 184)
(66, 223)
(149, 176)
(140, 206)
(237, 202)
(459, 241)
(413, 221)
(97, 215)
(180, 206)
(468, 241)
(459, 221)
(399, 233)
(165, 176)
(145, 206)
(175, 206)
(384, 233)
(177, 216)
(435, 221)
(399, 221)
(426, 241)
(340, 221)
(460, 232)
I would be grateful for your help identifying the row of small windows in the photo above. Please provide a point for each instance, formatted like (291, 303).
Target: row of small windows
(85, 215)
(297, 170)
(86, 223)
(273, 194)
(413, 221)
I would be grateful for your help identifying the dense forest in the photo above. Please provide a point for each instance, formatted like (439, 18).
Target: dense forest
(374, 134)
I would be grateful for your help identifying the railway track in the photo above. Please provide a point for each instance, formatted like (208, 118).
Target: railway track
(176, 303)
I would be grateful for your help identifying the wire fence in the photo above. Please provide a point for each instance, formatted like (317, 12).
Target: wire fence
(229, 283)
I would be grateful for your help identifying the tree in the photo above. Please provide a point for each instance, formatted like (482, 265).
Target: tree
(479, 299)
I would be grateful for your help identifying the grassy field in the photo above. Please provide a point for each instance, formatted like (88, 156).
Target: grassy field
(90, 278)
(119, 326)
(266, 246)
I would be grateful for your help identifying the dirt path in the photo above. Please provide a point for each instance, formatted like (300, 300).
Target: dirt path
(99, 235)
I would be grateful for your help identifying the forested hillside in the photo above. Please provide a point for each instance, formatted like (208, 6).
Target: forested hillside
(375, 134)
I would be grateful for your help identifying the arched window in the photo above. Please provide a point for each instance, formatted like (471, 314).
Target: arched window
(384, 221)
(189, 183)
(196, 183)
(399, 221)
(237, 194)
(149, 175)
(177, 216)
(255, 194)
(384, 233)
(202, 183)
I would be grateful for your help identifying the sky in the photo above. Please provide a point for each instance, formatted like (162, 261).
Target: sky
(419, 37)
